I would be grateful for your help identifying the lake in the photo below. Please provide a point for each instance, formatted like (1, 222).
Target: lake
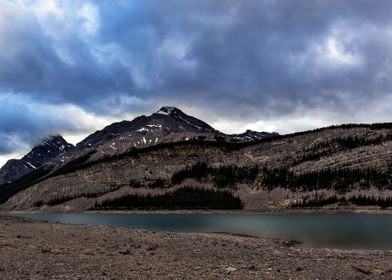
(332, 230)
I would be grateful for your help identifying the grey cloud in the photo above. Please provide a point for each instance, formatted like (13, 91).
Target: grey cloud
(24, 122)
(240, 60)
(260, 52)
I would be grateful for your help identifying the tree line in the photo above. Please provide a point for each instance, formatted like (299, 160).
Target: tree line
(60, 199)
(341, 143)
(360, 200)
(222, 177)
(341, 180)
(184, 198)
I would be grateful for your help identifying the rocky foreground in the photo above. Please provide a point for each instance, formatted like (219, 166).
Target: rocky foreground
(37, 250)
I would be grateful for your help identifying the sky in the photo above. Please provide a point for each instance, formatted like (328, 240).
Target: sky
(72, 67)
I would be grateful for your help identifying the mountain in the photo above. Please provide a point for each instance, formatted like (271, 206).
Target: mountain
(251, 135)
(169, 124)
(347, 166)
(48, 149)
(144, 131)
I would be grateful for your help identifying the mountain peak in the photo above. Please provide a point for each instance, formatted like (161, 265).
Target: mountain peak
(52, 139)
(252, 135)
(49, 148)
(184, 120)
(53, 142)
(169, 110)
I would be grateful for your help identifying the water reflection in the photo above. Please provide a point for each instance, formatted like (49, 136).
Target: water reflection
(335, 230)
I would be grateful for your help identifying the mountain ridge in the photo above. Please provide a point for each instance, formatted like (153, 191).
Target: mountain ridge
(168, 124)
(49, 148)
(337, 165)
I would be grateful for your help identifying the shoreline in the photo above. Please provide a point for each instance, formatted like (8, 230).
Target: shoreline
(269, 211)
(44, 250)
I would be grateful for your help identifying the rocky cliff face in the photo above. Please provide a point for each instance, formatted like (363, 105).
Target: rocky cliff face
(145, 131)
(346, 161)
(250, 136)
(342, 166)
(48, 149)
(169, 124)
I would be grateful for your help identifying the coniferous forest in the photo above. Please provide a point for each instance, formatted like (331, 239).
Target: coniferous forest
(360, 200)
(222, 177)
(184, 198)
(340, 180)
(225, 177)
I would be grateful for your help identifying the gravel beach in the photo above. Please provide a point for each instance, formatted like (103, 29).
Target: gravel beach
(40, 250)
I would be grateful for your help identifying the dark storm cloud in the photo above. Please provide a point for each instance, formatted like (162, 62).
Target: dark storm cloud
(258, 52)
(23, 121)
(261, 58)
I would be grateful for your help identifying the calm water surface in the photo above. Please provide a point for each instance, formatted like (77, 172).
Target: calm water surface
(333, 230)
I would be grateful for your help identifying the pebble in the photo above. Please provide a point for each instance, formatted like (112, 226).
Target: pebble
(58, 251)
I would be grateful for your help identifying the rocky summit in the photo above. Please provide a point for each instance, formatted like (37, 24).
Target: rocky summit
(144, 131)
(170, 160)
(48, 149)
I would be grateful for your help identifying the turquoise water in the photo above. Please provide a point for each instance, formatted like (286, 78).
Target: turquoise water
(332, 230)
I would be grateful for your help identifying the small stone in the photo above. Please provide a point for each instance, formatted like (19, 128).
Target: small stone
(152, 247)
(252, 267)
(230, 269)
(291, 243)
(45, 250)
(362, 270)
(125, 251)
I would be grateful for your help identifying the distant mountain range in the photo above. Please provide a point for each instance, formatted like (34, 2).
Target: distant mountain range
(166, 125)
(162, 160)
(169, 124)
